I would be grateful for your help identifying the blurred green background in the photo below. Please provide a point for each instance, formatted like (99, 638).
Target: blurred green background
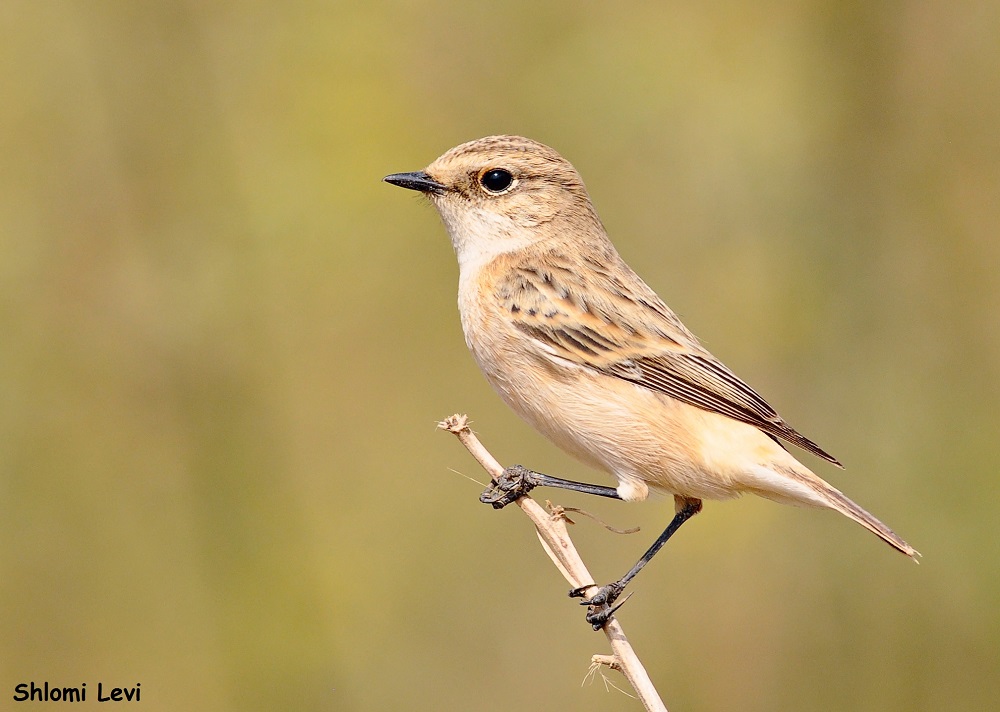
(225, 345)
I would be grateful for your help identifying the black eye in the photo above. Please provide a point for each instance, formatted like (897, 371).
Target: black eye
(496, 180)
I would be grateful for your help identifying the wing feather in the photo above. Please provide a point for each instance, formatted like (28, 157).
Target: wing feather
(616, 325)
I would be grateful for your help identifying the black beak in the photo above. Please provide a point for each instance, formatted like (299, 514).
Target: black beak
(418, 180)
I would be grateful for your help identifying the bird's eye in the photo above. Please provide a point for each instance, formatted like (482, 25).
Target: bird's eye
(496, 180)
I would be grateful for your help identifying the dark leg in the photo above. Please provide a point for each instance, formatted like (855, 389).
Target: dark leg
(517, 481)
(600, 604)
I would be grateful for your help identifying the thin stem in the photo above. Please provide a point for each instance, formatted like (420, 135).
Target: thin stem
(557, 544)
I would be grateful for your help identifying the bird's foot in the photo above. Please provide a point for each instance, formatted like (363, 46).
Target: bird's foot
(514, 482)
(600, 608)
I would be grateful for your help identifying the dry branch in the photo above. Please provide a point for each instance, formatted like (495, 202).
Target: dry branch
(555, 540)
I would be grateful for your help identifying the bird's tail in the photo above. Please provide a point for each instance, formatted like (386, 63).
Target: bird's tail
(835, 499)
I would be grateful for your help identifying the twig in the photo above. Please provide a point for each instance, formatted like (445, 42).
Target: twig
(557, 510)
(555, 540)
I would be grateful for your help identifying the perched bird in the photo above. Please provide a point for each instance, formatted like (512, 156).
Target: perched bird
(582, 349)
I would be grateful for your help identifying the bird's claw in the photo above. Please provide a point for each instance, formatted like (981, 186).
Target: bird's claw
(515, 481)
(600, 609)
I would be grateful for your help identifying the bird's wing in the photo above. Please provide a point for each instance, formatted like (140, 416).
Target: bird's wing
(619, 327)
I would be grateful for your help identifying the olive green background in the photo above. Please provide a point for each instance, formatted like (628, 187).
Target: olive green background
(225, 344)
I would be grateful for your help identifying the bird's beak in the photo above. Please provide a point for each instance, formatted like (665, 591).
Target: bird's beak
(418, 180)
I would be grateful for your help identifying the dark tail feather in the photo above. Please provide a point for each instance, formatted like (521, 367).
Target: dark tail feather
(840, 502)
(843, 504)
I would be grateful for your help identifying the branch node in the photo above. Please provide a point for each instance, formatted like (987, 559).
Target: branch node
(454, 423)
(607, 661)
(557, 512)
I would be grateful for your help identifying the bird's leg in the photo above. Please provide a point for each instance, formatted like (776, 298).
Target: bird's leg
(516, 481)
(601, 602)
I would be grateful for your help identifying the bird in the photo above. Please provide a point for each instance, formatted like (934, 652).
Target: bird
(580, 347)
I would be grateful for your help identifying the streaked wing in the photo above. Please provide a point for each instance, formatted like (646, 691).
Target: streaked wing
(618, 326)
